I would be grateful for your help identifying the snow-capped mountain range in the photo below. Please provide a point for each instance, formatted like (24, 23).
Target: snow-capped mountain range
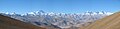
(59, 20)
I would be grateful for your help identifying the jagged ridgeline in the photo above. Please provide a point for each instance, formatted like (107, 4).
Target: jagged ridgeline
(59, 20)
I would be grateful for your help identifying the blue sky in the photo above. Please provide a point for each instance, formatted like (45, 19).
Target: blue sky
(58, 6)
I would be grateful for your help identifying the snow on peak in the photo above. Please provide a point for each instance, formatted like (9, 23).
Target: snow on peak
(95, 13)
(40, 12)
(31, 13)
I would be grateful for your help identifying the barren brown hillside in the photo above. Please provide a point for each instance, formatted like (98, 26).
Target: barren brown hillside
(10, 23)
(110, 22)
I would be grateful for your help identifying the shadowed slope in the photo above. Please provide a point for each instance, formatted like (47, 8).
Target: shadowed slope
(110, 22)
(10, 23)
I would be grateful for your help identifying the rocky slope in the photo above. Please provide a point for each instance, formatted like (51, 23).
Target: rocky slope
(10, 23)
(109, 22)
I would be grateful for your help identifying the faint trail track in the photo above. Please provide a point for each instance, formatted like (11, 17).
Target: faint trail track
(109, 22)
(10, 23)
